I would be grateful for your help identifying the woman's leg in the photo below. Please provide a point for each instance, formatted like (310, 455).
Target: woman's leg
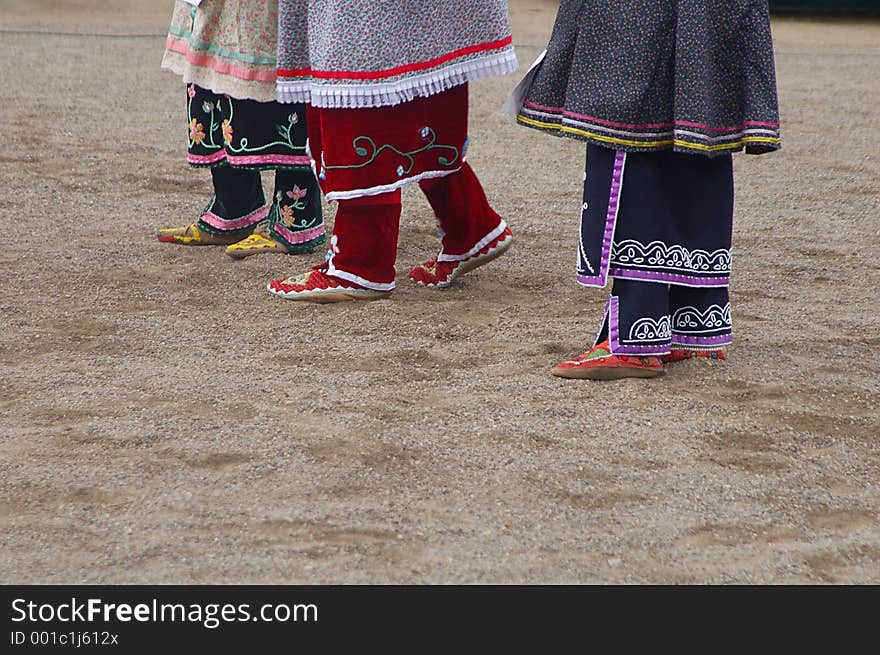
(473, 234)
(634, 334)
(237, 203)
(700, 322)
(360, 262)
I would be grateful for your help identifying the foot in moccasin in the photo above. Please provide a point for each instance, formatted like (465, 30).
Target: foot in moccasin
(599, 363)
(316, 286)
(436, 274)
(191, 235)
(262, 241)
(683, 354)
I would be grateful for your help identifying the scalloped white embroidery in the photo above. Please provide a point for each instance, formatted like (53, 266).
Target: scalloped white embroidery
(649, 329)
(690, 320)
(659, 255)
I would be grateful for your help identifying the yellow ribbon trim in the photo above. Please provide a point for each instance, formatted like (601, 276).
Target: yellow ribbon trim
(648, 144)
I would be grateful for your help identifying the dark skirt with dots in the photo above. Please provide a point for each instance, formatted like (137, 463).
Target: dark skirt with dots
(693, 76)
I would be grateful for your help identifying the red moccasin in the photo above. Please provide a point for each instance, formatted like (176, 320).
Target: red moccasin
(439, 275)
(316, 286)
(682, 354)
(599, 363)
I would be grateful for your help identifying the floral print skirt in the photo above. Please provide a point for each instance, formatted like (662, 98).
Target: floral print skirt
(227, 46)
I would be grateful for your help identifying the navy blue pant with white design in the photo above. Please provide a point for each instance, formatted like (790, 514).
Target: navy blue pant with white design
(659, 224)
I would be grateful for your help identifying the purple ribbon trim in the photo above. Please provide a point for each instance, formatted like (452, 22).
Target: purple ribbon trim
(601, 279)
(671, 278)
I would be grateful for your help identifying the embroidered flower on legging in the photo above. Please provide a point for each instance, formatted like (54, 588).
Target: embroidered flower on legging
(293, 119)
(287, 216)
(227, 131)
(191, 90)
(296, 193)
(400, 171)
(207, 107)
(196, 131)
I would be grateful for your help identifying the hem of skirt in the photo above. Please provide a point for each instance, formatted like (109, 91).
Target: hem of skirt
(328, 95)
(754, 145)
(250, 162)
(299, 238)
(215, 159)
(218, 82)
(684, 342)
(265, 73)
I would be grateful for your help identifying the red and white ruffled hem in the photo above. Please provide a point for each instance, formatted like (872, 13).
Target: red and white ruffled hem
(328, 95)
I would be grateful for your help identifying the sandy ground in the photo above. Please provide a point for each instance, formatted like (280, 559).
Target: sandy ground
(164, 420)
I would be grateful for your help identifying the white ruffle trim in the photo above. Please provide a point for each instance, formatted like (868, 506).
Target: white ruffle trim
(386, 188)
(386, 94)
(357, 279)
(482, 243)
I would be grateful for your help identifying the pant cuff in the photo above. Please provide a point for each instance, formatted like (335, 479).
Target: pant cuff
(482, 243)
(214, 223)
(357, 279)
(657, 337)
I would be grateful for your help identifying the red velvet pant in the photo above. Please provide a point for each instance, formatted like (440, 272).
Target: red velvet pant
(364, 156)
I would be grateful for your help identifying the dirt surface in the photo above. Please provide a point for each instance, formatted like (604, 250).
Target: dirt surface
(164, 420)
